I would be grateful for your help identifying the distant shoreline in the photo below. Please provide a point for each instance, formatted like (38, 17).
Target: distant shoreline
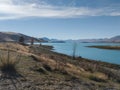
(106, 47)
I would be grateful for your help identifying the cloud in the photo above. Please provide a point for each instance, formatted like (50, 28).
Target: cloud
(15, 9)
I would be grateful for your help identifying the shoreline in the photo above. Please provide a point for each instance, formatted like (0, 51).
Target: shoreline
(52, 48)
(79, 57)
(106, 47)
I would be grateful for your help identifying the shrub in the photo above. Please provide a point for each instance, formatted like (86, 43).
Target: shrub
(74, 51)
(41, 70)
(97, 79)
(8, 62)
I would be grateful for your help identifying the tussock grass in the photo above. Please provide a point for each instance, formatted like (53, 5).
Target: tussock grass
(13, 47)
(98, 77)
(8, 62)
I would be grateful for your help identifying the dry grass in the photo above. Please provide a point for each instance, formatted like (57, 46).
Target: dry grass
(98, 77)
(8, 62)
(14, 47)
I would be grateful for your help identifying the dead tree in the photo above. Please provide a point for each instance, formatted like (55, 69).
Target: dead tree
(21, 40)
(74, 50)
(32, 41)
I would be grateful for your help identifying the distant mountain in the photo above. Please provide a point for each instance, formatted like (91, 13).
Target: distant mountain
(12, 36)
(52, 40)
(94, 40)
(45, 39)
(115, 39)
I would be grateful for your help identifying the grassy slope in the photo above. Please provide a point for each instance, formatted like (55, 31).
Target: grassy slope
(42, 69)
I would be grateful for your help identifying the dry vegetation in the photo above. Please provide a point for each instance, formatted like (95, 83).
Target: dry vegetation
(41, 69)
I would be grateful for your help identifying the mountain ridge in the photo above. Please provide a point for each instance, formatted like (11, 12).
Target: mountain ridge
(14, 37)
(115, 39)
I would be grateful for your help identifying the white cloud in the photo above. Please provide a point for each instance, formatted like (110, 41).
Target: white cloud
(5, 1)
(15, 9)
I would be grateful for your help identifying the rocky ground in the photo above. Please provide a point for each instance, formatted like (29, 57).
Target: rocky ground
(41, 69)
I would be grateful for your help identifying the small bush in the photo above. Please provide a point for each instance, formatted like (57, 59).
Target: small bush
(47, 67)
(97, 79)
(8, 62)
(41, 70)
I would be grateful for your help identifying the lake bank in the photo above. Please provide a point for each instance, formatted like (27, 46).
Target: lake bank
(105, 55)
(106, 47)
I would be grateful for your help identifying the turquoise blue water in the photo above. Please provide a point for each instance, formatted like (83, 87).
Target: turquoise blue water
(111, 56)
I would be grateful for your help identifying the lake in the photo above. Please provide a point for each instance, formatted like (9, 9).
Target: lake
(111, 56)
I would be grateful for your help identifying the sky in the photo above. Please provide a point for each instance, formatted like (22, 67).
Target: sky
(61, 19)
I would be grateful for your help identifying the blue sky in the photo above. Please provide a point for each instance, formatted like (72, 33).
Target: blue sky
(61, 19)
